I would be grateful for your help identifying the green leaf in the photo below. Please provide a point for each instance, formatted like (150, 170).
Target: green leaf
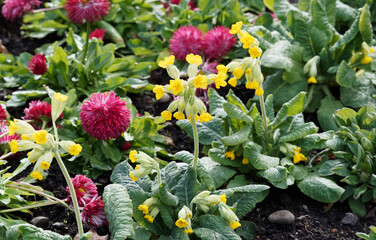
(111, 152)
(349, 35)
(237, 181)
(321, 189)
(365, 24)
(331, 167)
(357, 207)
(29, 232)
(258, 160)
(207, 131)
(118, 208)
(345, 75)
(215, 103)
(170, 173)
(219, 174)
(274, 174)
(238, 137)
(140, 233)
(205, 177)
(299, 133)
(120, 175)
(325, 114)
(235, 112)
(299, 172)
(166, 197)
(112, 83)
(167, 214)
(177, 234)
(218, 156)
(232, 98)
(247, 230)
(212, 227)
(290, 108)
(361, 93)
(187, 187)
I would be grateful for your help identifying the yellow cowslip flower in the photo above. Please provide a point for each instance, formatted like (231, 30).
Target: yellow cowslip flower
(149, 218)
(45, 165)
(219, 80)
(191, 59)
(36, 175)
(133, 177)
(222, 68)
(181, 223)
(247, 40)
(75, 149)
(132, 156)
(205, 117)
(223, 198)
(13, 146)
(252, 85)
(166, 115)
(176, 86)
(259, 91)
(60, 97)
(245, 161)
(40, 137)
(159, 91)
(366, 59)
(144, 208)
(254, 52)
(371, 50)
(200, 81)
(196, 118)
(188, 230)
(24, 137)
(137, 167)
(12, 128)
(167, 61)
(235, 225)
(233, 81)
(230, 154)
(312, 80)
(179, 116)
(235, 28)
(238, 72)
(248, 71)
(298, 157)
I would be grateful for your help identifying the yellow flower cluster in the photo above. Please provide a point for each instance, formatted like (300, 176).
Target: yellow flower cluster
(366, 50)
(184, 221)
(187, 105)
(146, 166)
(251, 66)
(150, 208)
(298, 157)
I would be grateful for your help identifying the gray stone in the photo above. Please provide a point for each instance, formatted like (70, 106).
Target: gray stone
(305, 208)
(40, 221)
(165, 98)
(350, 219)
(58, 225)
(282, 217)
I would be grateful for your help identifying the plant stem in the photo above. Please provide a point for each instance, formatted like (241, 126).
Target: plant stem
(72, 192)
(55, 131)
(312, 160)
(4, 134)
(196, 142)
(29, 207)
(264, 118)
(5, 155)
(44, 124)
(88, 25)
(47, 9)
(310, 94)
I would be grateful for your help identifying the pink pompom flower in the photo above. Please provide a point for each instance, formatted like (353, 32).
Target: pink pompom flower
(6, 139)
(89, 10)
(93, 213)
(3, 114)
(97, 33)
(191, 4)
(85, 188)
(37, 64)
(13, 9)
(217, 42)
(39, 112)
(186, 40)
(104, 116)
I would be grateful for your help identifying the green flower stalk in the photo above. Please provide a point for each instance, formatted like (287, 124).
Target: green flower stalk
(187, 105)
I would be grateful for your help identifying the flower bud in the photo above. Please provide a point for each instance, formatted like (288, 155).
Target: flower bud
(173, 71)
(192, 70)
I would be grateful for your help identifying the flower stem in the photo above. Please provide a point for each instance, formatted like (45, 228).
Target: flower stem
(29, 207)
(196, 142)
(310, 94)
(5, 155)
(55, 131)
(47, 9)
(263, 112)
(88, 25)
(4, 134)
(72, 192)
(44, 124)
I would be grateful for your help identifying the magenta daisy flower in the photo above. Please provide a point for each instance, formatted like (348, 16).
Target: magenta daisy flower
(3, 114)
(104, 116)
(85, 189)
(38, 112)
(191, 4)
(93, 213)
(37, 64)
(186, 40)
(89, 10)
(13, 9)
(97, 33)
(218, 42)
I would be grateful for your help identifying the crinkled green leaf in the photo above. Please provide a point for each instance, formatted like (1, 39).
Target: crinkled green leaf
(298, 171)
(177, 234)
(365, 24)
(247, 230)
(258, 160)
(118, 208)
(274, 174)
(235, 112)
(325, 114)
(238, 137)
(212, 227)
(218, 156)
(205, 177)
(187, 187)
(345, 75)
(357, 207)
(215, 103)
(361, 93)
(166, 197)
(219, 173)
(232, 98)
(290, 108)
(301, 132)
(167, 214)
(30, 232)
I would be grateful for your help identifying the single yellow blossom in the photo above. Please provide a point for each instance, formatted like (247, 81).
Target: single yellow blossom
(254, 52)
(176, 86)
(222, 68)
(238, 72)
(200, 81)
(45, 165)
(235, 28)
(230, 154)
(191, 59)
(159, 91)
(235, 225)
(181, 223)
(167, 61)
(24, 137)
(132, 156)
(245, 161)
(220, 80)
(233, 81)
(75, 149)
(366, 59)
(259, 91)
(188, 230)
(166, 115)
(36, 175)
(143, 208)
(13, 146)
(223, 198)
(149, 218)
(252, 85)
(298, 157)
(12, 128)
(40, 137)
(179, 116)
(133, 177)
(60, 97)
(247, 40)
(205, 117)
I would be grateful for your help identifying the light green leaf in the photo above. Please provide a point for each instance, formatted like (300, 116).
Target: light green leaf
(345, 75)
(232, 98)
(290, 108)
(187, 187)
(299, 133)
(274, 174)
(357, 207)
(205, 177)
(118, 208)
(365, 24)
(235, 112)
(30, 232)
(166, 196)
(219, 174)
(212, 227)
(298, 171)
(111, 152)
(177, 234)
(325, 114)
(361, 93)
(238, 137)
(120, 175)
(258, 160)
(167, 214)
(215, 103)
(349, 35)
(282, 55)
(321, 189)
(218, 155)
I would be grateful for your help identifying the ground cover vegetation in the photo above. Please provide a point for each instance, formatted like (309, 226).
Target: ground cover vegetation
(307, 118)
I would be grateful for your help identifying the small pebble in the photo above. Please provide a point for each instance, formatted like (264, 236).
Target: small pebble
(282, 217)
(305, 208)
(40, 221)
(165, 98)
(350, 219)
(58, 225)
